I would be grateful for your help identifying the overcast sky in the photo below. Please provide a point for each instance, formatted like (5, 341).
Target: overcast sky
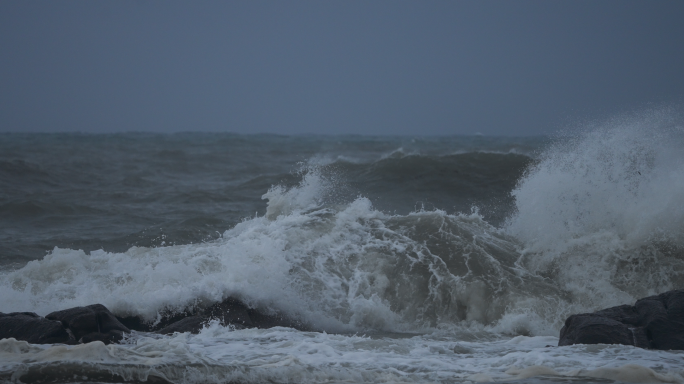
(334, 67)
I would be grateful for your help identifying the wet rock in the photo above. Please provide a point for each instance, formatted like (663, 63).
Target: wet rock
(233, 312)
(462, 349)
(28, 326)
(269, 320)
(96, 323)
(229, 312)
(663, 319)
(192, 324)
(596, 329)
(655, 322)
(91, 323)
(136, 323)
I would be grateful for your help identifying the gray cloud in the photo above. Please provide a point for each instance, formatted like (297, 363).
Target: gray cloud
(380, 67)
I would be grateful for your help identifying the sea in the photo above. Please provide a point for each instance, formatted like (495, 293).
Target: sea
(412, 259)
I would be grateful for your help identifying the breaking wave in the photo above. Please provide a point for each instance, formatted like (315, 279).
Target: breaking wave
(598, 221)
(602, 211)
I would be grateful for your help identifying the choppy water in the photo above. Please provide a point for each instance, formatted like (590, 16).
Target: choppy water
(419, 260)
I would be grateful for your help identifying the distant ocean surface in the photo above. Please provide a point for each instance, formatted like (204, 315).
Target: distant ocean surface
(418, 260)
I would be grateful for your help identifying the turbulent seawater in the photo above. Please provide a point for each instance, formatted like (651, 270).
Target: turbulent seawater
(448, 260)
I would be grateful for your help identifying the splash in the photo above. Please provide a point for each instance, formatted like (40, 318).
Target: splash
(602, 211)
(597, 224)
(339, 267)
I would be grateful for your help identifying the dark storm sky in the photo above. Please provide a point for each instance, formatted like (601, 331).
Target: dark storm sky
(369, 67)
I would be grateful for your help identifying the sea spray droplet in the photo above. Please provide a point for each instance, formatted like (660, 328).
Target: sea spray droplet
(602, 212)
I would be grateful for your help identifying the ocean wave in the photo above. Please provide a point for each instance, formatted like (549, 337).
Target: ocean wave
(597, 224)
(602, 212)
(340, 267)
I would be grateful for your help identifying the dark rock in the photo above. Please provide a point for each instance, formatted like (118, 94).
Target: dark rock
(266, 320)
(27, 326)
(138, 324)
(96, 323)
(655, 322)
(93, 322)
(626, 314)
(662, 319)
(113, 336)
(228, 312)
(135, 323)
(192, 324)
(231, 312)
(596, 329)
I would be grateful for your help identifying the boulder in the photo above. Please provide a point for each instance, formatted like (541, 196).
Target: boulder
(96, 323)
(230, 311)
(28, 326)
(264, 320)
(192, 324)
(655, 322)
(141, 325)
(91, 323)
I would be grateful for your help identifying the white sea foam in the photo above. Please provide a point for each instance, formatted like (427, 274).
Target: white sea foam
(602, 212)
(338, 267)
(598, 223)
(597, 216)
(218, 354)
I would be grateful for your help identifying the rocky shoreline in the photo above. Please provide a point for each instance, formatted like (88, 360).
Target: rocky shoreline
(655, 322)
(95, 322)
